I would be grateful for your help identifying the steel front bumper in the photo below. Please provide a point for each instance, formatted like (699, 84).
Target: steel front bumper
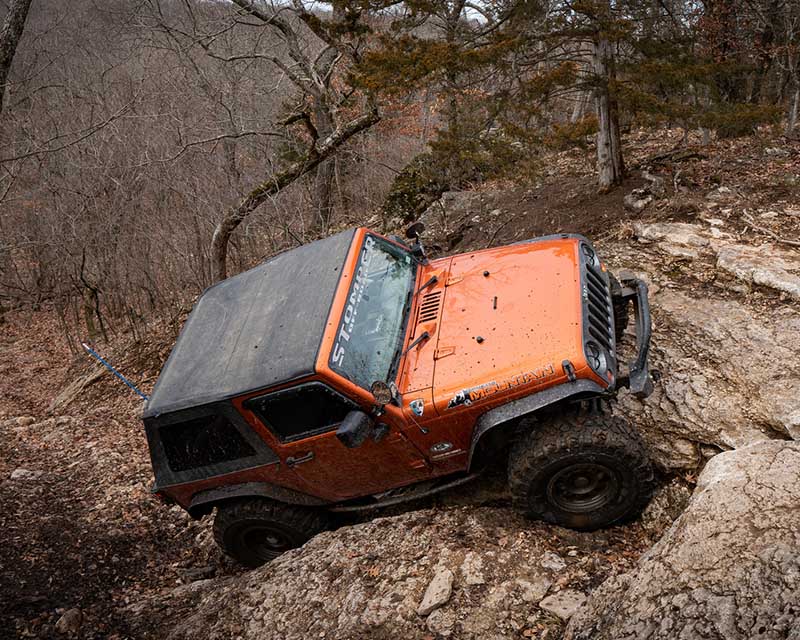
(638, 379)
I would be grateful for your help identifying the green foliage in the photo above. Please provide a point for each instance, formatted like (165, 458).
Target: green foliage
(739, 120)
(455, 161)
(572, 134)
(402, 64)
(419, 184)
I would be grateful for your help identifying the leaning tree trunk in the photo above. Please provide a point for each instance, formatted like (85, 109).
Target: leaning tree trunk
(610, 166)
(9, 39)
(269, 188)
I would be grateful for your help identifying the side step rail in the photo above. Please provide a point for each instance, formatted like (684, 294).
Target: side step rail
(406, 498)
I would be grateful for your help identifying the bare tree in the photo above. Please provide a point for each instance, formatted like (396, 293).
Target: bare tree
(320, 112)
(10, 36)
(318, 151)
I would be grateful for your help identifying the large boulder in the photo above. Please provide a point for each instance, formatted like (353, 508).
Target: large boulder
(464, 572)
(730, 377)
(729, 567)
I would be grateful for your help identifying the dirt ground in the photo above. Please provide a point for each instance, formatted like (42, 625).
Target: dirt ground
(80, 528)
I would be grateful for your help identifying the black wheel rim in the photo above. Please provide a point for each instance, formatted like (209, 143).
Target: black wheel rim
(583, 488)
(266, 541)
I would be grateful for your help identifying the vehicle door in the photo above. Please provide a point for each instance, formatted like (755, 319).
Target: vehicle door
(304, 420)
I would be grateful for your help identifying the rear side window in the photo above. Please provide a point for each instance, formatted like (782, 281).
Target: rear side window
(202, 442)
(302, 411)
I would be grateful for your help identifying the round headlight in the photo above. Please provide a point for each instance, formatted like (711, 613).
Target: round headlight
(589, 254)
(596, 357)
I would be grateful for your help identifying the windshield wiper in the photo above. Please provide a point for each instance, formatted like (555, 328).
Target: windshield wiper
(431, 281)
(399, 349)
(423, 336)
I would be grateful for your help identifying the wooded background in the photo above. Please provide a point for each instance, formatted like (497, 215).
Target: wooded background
(149, 148)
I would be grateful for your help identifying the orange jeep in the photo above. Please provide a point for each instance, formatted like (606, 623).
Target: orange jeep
(353, 373)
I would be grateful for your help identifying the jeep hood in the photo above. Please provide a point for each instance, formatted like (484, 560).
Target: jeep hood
(509, 318)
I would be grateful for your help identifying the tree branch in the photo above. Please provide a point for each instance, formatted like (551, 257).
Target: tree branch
(316, 154)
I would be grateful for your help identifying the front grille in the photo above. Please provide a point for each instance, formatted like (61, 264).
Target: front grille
(429, 309)
(598, 305)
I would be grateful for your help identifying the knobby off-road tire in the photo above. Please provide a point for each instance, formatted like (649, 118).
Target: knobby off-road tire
(621, 310)
(256, 530)
(584, 471)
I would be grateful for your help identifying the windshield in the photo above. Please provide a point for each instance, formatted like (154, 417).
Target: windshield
(373, 320)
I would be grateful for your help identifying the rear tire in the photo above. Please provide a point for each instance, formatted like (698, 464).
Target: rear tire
(256, 530)
(583, 472)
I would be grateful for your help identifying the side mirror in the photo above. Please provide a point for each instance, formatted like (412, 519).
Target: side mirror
(415, 230)
(355, 429)
(382, 392)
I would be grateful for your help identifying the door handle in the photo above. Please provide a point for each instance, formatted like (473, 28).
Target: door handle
(291, 461)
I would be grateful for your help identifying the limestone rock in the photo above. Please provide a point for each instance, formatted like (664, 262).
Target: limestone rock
(24, 474)
(438, 592)
(534, 591)
(552, 561)
(728, 568)
(637, 200)
(766, 265)
(563, 604)
(472, 569)
(681, 233)
(70, 622)
(675, 238)
(667, 504)
(441, 622)
(368, 580)
(713, 389)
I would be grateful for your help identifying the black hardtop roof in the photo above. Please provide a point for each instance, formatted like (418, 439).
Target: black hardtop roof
(254, 330)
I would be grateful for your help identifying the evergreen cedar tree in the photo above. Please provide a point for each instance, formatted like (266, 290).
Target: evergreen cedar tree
(497, 78)
(500, 71)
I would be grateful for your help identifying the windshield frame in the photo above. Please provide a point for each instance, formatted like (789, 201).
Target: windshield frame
(405, 310)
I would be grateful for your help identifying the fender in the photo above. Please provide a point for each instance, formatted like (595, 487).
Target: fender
(204, 501)
(524, 406)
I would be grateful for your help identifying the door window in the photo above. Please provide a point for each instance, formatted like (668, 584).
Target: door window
(300, 412)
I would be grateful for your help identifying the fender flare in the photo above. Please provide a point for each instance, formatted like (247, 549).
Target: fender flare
(515, 409)
(204, 501)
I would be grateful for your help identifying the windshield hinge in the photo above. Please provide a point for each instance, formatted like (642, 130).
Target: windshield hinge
(443, 352)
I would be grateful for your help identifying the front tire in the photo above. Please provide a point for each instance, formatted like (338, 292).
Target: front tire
(583, 472)
(256, 530)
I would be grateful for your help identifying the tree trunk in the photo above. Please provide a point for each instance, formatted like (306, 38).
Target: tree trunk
(323, 196)
(610, 165)
(323, 181)
(580, 107)
(794, 107)
(269, 188)
(9, 39)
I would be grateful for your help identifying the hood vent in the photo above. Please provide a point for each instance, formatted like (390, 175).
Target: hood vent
(429, 309)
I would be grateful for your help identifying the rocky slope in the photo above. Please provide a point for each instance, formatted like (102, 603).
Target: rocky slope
(726, 350)
(726, 337)
(90, 554)
(728, 567)
(465, 572)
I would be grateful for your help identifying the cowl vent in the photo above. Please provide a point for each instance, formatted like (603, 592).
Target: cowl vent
(429, 309)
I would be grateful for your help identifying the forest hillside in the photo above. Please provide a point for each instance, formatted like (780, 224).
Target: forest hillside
(150, 149)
